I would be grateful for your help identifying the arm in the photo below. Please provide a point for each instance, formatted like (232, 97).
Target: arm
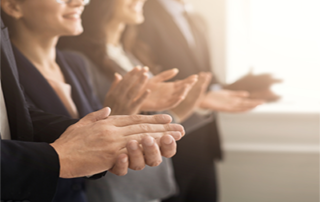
(28, 171)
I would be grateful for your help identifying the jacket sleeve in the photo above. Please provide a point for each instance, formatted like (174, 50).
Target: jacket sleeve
(49, 124)
(29, 171)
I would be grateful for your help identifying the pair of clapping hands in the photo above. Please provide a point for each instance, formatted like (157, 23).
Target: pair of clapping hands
(136, 92)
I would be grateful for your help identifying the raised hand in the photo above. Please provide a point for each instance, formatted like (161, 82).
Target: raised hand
(98, 142)
(229, 101)
(127, 94)
(167, 95)
(194, 97)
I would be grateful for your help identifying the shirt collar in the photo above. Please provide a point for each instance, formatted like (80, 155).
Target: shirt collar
(173, 7)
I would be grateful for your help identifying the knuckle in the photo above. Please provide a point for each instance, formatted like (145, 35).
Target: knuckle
(136, 118)
(144, 127)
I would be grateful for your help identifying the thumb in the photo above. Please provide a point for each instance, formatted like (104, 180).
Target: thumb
(96, 116)
(166, 75)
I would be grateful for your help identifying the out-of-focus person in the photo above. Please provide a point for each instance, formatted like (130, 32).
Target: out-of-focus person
(177, 38)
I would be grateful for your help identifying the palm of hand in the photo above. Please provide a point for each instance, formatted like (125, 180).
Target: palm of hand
(167, 95)
(162, 96)
(229, 101)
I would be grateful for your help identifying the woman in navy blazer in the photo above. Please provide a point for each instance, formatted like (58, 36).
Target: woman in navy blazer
(40, 94)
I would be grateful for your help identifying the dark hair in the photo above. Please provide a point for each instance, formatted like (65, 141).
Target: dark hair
(7, 21)
(92, 42)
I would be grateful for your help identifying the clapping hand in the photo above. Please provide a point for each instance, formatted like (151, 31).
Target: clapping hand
(100, 142)
(127, 94)
(167, 95)
(194, 97)
(229, 101)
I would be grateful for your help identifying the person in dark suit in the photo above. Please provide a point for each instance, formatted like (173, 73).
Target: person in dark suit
(177, 38)
(29, 171)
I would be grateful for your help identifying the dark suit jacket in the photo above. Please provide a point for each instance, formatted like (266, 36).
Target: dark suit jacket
(171, 50)
(39, 93)
(29, 171)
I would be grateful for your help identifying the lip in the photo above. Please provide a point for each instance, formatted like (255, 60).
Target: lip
(73, 15)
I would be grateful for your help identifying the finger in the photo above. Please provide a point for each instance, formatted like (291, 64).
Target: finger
(151, 128)
(243, 94)
(152, 152)
(274, 80)
(129, 80)
(136, 157)
(166, 75)
(121, 121)
(141, 99)
(96, 116)
(251, 103)
(121, 166)
(117, 79)
(168, 146)
(138, 87)
(157, 136)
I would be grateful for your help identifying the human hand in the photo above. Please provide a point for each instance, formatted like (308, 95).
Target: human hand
(167, 95)
(229, 101)
(194, 97)
(251, 83)
(127, 94)
(147, 153)
(98, 141)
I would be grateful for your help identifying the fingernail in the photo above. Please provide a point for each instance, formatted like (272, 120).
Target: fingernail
(168, 140)
(176, 136)
(125, 160)
(134, 146)
(146, 68)
(149, 141)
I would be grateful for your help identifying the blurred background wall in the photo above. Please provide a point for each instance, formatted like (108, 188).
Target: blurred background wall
(271, 153)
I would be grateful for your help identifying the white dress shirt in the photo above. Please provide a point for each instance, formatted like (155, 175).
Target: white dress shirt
(4, 125)
(177, 10)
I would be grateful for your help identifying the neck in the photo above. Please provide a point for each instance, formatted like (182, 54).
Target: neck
(39, 49)
(114, 32)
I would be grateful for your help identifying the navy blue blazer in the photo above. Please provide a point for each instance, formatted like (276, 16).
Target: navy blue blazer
(40, 94)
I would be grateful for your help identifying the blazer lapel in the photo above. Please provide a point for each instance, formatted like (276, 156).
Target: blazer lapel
(17, 108)
(38, 87)
(78, 96)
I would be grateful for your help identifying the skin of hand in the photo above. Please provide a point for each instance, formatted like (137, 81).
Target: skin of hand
(229, 101)
(127, 94)
(167, 95)
(194, 97)
(99, 142)
(137, 159)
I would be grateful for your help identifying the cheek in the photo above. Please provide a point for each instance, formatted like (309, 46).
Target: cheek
(41, 16)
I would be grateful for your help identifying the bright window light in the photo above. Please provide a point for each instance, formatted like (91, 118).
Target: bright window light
(277, 36)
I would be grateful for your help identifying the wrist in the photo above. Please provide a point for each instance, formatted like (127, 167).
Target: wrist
(64, 171)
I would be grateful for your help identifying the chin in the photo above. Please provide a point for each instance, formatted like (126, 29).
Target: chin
(74, 32)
